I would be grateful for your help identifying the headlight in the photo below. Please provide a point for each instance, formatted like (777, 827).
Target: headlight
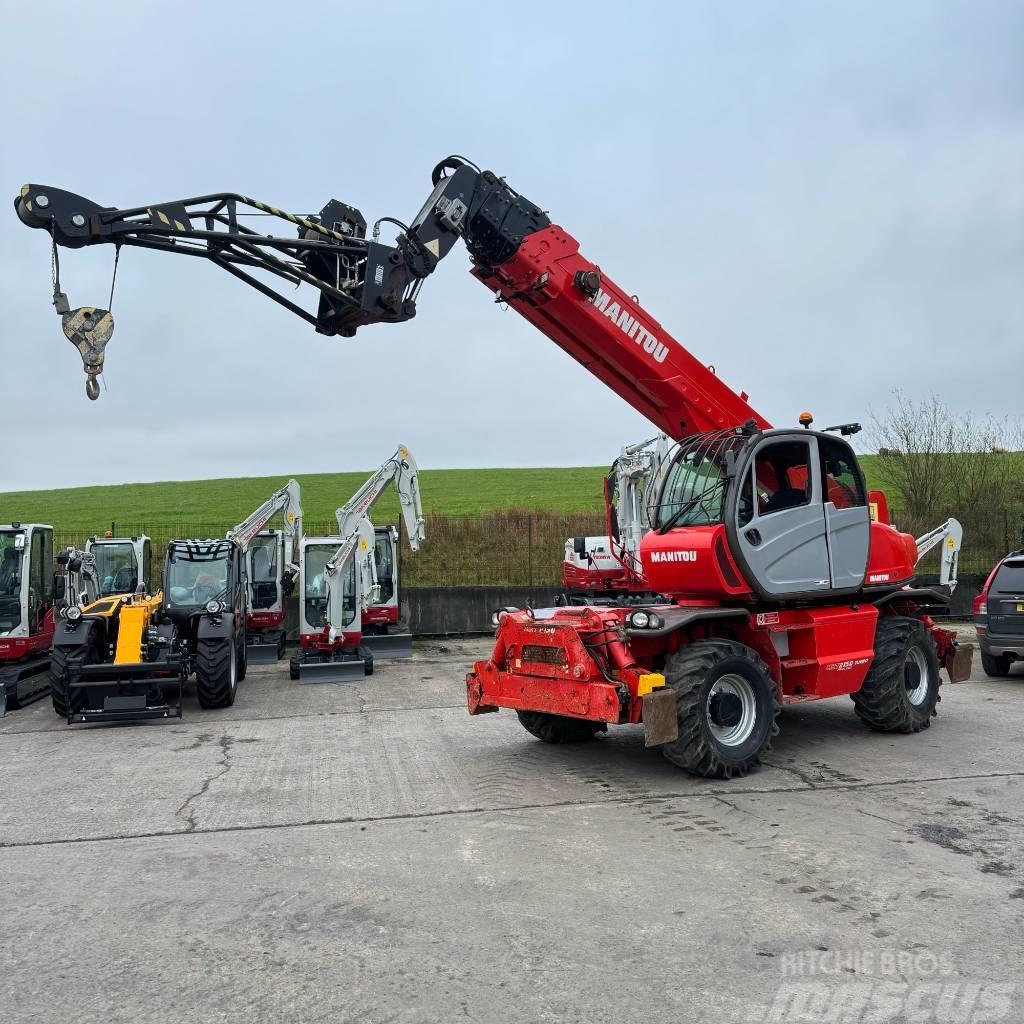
(645, 620)
(73, 614)
(213, 607)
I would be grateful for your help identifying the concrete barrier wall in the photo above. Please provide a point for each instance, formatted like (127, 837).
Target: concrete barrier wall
(452, 610)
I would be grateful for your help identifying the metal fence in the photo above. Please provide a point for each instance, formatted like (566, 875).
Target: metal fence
(522, 548)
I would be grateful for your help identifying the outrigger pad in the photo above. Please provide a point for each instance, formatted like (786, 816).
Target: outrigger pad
(385, 646)
(958, 663)
(660, 722)
(332, 671)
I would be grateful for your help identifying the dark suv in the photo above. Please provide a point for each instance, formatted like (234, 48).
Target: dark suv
(999, 616)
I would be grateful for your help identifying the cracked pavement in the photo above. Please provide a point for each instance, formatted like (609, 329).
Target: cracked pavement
(369, 852)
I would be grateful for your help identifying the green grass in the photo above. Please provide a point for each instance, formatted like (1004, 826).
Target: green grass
(225, 502)
(216, 502)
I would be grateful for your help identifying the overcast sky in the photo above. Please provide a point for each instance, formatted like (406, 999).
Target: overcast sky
(825, 201)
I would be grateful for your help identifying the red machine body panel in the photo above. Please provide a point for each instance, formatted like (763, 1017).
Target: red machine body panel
(264, 620)
(693, 562)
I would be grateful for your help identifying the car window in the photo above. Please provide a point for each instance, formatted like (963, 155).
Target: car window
(1010, 578)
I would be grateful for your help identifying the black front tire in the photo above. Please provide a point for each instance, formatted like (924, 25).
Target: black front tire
(902, 686)
(216, 673)
(559, 728)
(294, 668)
(995, 666)
(726, 708)
(65, 666)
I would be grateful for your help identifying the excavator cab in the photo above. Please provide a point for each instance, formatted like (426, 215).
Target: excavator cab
(26, 611)
(784, 513)
(321, 658)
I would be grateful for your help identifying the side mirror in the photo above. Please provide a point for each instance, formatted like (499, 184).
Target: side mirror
(59, 587)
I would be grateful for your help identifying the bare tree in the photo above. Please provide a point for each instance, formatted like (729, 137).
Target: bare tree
(936, 459)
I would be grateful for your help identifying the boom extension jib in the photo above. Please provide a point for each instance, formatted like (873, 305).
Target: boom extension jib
(530, 264)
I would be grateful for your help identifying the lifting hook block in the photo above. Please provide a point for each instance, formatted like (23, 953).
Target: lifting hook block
(89, 329)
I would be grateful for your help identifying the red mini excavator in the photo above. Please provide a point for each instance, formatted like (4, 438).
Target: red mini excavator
(782, 587)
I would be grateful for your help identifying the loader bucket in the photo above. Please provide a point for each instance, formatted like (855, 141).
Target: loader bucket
(387, 646)
(347, 671)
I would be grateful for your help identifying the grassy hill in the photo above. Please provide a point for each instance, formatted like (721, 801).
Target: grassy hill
(217, 502)
(444, 491)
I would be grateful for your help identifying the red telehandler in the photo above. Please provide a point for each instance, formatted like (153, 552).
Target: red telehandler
(782, 587)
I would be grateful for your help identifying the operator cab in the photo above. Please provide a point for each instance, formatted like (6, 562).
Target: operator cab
(265, 555)
(26, 578)
(385, 556)
(793, 503)
(315, 593)
(122, 563)
(198, 572)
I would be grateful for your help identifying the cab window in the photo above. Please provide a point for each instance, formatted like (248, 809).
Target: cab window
(782, 477)
(841, 480)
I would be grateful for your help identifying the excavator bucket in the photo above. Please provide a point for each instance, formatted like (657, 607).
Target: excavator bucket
(388, 646)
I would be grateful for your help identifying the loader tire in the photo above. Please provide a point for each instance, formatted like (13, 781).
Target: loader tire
(995, 665)
(294, 667)
(559, 728)
(902, 685)
(216, 673)
(726, 708)
(65, 666)
(243, 658)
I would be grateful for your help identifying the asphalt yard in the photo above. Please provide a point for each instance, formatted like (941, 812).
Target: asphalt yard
(369, 852)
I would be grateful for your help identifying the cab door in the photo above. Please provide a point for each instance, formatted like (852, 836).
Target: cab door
(781, 530)
(847, 517)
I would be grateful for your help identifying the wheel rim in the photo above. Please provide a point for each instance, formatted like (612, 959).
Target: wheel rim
(731, 710)
(915, 676)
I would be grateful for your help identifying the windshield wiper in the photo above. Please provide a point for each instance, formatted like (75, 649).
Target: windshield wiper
(677, 515)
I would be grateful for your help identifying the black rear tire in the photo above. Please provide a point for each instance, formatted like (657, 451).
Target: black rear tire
(995, 665)
(294, 667)
(726, 708)
(216, 672)
(243, 658)
(559, 728)
(902, 686)
(65, 667)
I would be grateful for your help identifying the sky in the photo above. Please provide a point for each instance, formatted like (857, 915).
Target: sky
(825, 201)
